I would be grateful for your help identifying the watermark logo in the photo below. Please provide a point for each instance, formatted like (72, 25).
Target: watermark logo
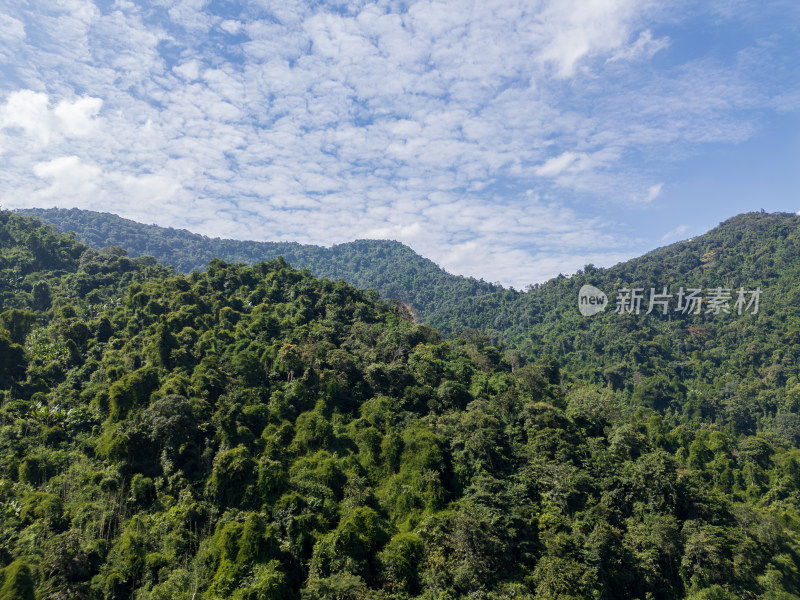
(689, 301)
(591, 300)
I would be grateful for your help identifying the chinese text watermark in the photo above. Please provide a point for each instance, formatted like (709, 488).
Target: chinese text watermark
(688, 301)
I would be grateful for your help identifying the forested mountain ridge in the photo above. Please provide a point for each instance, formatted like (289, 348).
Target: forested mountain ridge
(738, 370)
(753, 249)
(251, 432)
(391, 268)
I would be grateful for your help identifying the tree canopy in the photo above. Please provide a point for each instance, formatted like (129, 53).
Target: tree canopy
(255, 432)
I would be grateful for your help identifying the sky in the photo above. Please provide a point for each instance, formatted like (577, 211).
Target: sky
(504, 140)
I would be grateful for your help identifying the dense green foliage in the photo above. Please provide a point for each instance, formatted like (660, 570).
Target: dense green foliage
(253, 432)
(738, 371)
(394, 270)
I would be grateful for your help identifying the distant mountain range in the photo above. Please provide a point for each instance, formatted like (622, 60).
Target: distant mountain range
(391, 268)
(740, 369)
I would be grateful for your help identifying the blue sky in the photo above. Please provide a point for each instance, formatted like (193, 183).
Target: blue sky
(505, 140)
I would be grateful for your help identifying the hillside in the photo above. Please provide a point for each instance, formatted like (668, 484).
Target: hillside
(738, 370)
(392, 269)
(252, 432)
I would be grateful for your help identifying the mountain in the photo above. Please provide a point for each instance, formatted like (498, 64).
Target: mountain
(252, 432)
(737, 370)
(391, 268)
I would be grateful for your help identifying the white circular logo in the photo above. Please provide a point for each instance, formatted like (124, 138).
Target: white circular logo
(591, 300)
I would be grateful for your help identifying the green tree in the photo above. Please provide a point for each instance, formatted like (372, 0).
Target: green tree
(17, 582)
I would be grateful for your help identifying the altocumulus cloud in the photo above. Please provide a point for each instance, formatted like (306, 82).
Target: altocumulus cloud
(492, 137)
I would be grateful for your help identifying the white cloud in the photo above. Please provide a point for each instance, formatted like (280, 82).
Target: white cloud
(231, 26)
(653, 192)
(571, 30)
(321, 124)
(557, 165)
(28, 112)
(675, 233)
(77, 119)
(644, 46)
(191, 15)
(787, 102)
(12, 31)
(190, 70)
(70, 180)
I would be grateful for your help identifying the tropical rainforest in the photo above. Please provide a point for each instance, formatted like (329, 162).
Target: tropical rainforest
(254, 432)
(391, 268)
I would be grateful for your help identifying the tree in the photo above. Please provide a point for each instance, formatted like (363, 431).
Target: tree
(18, 323)
(352, 547)
(17, 582)
(12, 360)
